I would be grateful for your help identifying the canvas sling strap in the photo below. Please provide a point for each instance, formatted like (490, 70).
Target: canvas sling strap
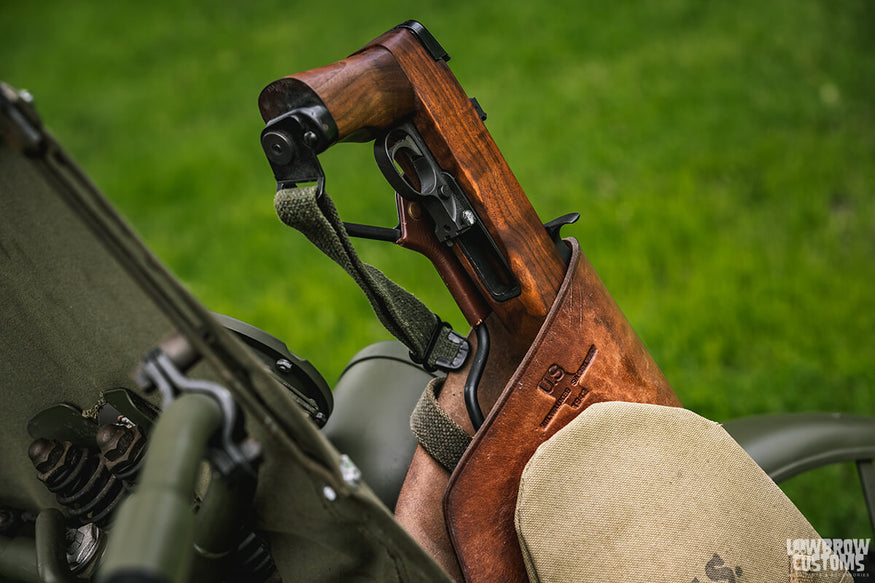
(586, 352)
(636, 492)
(443, 439)
(431, 342)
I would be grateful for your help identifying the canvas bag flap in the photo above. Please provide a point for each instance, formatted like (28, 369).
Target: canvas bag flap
(638, 492)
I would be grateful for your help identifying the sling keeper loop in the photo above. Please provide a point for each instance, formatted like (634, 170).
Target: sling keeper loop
(431, 341)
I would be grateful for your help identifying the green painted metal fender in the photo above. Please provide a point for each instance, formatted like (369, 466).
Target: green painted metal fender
(789, 444)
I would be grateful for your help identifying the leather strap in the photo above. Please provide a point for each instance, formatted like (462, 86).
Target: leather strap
(438, 434)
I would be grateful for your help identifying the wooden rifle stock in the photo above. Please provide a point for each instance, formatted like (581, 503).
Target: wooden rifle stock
(365, 92)
(397, 78)
(559, 343)
(394, 78)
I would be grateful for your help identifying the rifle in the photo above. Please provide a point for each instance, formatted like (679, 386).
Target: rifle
(548, 338)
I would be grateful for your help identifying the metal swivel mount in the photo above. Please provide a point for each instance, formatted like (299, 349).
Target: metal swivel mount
(230, 452)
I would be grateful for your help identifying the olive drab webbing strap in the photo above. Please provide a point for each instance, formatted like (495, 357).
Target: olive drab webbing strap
(442, 438)
(431, 341)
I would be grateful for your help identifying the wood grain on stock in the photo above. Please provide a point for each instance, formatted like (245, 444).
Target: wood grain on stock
(417, 234)
(461, 144)
(394, 77)
(364, 91)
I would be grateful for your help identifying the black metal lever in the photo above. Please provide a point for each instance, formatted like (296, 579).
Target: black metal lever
(410, 168)
(371, 232)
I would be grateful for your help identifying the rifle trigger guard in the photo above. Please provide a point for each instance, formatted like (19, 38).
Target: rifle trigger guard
(402, 149)
(437, 191)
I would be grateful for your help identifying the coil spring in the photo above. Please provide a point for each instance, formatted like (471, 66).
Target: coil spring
(78, 478)
(90, 484)
(251, 562)
(122, 449)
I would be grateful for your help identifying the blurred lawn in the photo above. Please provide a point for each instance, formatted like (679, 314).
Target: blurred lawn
(721, 155)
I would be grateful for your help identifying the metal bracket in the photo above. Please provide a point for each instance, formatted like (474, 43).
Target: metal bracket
(292, 142)
(231, 453)
(553, 229)
(444, 329)
(303, 381)
(407, 164)
(428, 41)
(22, 127)
(554, 226)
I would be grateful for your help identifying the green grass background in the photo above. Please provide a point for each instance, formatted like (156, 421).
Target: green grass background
(721, 155)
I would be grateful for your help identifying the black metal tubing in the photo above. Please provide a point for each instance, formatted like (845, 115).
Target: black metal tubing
(371, 232)
(866, 471)
(481, 354)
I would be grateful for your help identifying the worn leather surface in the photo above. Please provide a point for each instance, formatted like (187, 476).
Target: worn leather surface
(586, 352)
(420, 503)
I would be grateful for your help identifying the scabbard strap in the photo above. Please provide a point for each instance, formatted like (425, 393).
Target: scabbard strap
(432, 342)
(437, 433)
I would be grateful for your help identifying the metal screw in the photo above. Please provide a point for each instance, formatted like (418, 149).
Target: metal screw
(469, 218)
(310, 139)
(278, 147)
(83, 545)
(284, 365)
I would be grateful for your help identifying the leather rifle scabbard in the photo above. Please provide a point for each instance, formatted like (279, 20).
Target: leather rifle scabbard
(585, 352)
